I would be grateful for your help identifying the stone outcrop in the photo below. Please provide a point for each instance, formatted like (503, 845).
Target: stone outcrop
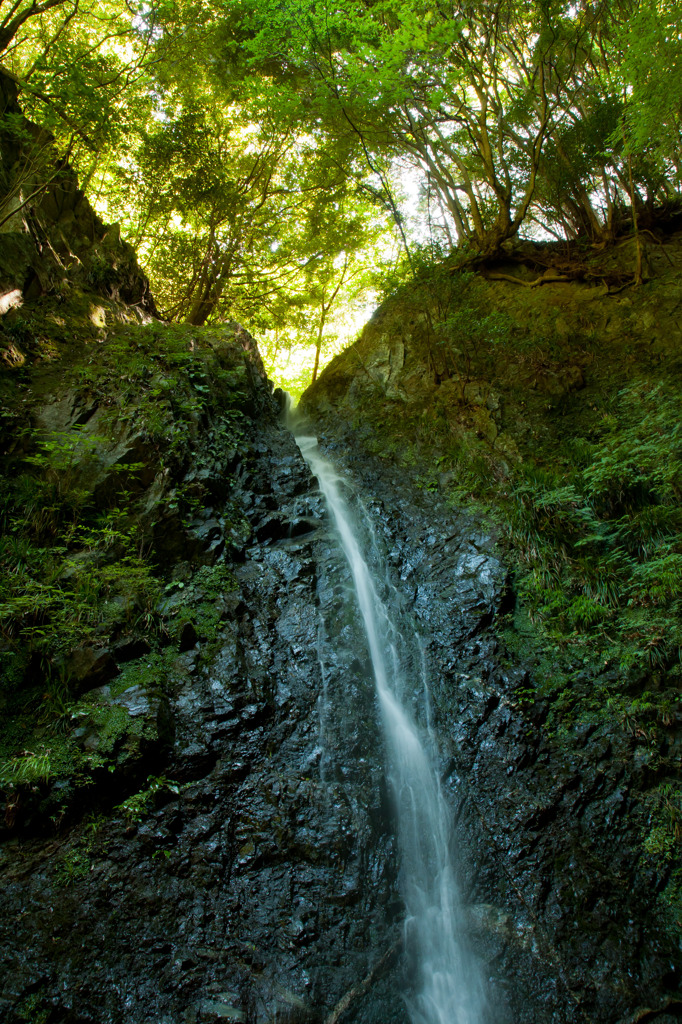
(51, 241)
(206, 864)
(498, 365)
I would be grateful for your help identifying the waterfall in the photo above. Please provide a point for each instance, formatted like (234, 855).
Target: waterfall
(449, 988)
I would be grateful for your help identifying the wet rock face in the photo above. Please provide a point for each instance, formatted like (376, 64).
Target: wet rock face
(253, 876)
(548, 829)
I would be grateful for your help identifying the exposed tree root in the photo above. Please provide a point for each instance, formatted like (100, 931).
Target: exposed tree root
(528, 284)
(561, 262)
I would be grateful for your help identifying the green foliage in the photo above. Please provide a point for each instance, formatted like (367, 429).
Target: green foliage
(670, 899)
(167, 382)
(73, 866)
(642, 716)
(638, 464)
(252, 150)
(49, 597)
(664, 833)
(591, 515)
(55, 753)
(76, 861)
(201, 605)
(469, 327)
(466, 331)
(603, 554)
(214, 581)
(26, 768)
(78, 563)
(50, 500)
(245, 148)
(154, 673)
(137, 806)
(650, 39)
(34, 1008)
(661, 814)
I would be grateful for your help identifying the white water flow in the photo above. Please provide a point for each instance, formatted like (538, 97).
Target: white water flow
(448, 987)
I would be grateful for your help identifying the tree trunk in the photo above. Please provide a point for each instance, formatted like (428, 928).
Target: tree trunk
(318, 348)
(203, 305)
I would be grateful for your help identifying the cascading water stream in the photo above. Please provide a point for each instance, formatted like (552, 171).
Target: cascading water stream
(449, 988)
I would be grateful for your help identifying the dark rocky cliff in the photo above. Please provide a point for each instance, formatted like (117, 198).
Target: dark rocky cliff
(214, 876)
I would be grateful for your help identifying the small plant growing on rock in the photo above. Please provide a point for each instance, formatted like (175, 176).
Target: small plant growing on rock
(28, 767)
(137, 806)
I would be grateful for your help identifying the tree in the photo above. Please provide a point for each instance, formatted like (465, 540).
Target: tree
(349, 267)
(508, 108)
(464, 93)
(20, 12)
(226, 206)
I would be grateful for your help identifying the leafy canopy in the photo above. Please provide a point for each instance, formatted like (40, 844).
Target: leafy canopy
(251, 149)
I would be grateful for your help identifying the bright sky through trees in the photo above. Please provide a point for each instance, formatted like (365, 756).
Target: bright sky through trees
(250, 149)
